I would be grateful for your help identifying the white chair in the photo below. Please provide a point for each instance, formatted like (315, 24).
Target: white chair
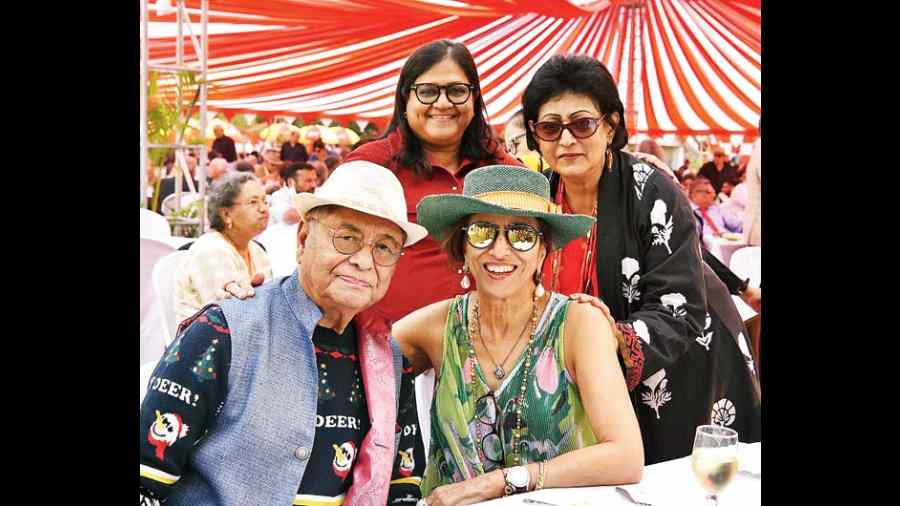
(152, 342)
(168, 204)
(153, 225)
(424, 396)
(746, 263)
(164, 286)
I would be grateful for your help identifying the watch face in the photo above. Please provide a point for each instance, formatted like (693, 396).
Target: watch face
(518, 476)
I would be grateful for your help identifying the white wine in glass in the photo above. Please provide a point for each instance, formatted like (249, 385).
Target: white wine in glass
(714, 459)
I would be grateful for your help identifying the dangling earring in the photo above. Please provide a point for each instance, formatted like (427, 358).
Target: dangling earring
(228, 224)
(464, 282)
(539, 289)
(609, 159)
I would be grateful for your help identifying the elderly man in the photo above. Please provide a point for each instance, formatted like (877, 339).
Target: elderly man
(714, 219)
(223, 144)
(296, 395)
(718, 170)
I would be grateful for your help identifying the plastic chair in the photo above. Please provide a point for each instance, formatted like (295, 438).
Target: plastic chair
(424, 397)
(154, 226)
(164, 286)
(152, 342)
(746, 263)
(168, 204)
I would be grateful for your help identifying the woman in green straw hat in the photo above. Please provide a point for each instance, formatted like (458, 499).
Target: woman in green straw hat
(529, 392)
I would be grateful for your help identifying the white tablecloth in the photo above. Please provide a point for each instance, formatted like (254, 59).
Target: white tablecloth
(669, 483)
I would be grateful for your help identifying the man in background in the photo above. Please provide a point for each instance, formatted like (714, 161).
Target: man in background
(293, 150)
(716, 221)
(223, 144)
(718, 170)
(514, 137)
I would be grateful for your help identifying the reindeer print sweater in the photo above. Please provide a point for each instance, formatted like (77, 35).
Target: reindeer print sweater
(186, 393)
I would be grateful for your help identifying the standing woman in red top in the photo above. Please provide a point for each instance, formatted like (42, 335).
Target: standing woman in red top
(438, 133)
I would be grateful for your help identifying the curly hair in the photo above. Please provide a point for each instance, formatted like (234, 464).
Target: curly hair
(222, 195)
(478, 138)
(581, 75)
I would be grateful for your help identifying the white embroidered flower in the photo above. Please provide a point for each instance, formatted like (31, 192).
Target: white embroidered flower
(629, 267)
(705, 337)
(723, 413)
(658, 214)
(640, 328)
(674, 301)
(642, 173)
(657, 396)
(661, 228)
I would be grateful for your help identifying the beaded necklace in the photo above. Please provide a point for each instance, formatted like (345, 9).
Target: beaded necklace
(474, 330)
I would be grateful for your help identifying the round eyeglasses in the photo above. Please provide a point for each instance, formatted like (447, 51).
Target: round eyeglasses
(551, 131)
(520, 236)
(347, 241)
(429, 93)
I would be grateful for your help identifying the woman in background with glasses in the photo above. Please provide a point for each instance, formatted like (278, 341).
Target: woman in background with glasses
(438, 133)
(237, 212)
(529, 391)
(681, 339)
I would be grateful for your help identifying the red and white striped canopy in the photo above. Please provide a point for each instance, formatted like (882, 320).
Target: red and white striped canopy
(688, 67)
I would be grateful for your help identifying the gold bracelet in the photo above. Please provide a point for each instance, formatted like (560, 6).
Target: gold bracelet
(540, 481)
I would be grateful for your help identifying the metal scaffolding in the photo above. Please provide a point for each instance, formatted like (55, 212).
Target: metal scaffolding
(201, 49)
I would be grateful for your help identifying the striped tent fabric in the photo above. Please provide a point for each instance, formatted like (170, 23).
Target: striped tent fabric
(688, 67)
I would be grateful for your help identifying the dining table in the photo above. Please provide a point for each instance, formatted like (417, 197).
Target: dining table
(669, 483)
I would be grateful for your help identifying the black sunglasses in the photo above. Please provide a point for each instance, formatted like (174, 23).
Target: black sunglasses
(551, 131)
(520, 236)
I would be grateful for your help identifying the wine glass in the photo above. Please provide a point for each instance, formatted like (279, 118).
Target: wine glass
(714, 459)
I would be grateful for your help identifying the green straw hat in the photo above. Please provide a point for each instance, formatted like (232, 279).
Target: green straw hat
(501, 189)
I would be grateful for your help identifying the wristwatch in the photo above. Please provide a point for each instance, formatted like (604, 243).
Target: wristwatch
(516, 479)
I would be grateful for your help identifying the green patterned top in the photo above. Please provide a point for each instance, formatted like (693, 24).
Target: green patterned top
(466, 426)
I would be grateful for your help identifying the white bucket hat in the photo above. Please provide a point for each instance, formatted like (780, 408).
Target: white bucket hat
(365, 187)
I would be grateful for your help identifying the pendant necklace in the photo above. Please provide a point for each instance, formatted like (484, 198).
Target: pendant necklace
(499, 371)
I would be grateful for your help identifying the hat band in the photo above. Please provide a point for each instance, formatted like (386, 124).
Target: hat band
(519, 200)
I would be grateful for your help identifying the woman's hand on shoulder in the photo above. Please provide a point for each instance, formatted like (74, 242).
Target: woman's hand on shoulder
(583, 298)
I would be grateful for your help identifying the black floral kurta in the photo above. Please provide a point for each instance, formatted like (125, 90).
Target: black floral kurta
(685, 355)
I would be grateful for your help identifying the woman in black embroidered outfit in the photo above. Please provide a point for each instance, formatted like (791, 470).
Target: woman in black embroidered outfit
(682, 342)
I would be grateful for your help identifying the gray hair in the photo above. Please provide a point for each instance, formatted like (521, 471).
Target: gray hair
(222, 195)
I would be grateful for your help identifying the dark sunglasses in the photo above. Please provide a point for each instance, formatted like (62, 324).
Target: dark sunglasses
(551, 131)
(520, 236)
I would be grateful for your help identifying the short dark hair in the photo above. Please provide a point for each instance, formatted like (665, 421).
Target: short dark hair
(478, 139)
(455, 243)
(289, 171)
(222, 194)
(581, 75)
(698, 182)
(243, 166)
(318, 144)
(331, 162)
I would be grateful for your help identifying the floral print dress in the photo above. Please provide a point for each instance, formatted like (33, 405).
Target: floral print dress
(472, 427)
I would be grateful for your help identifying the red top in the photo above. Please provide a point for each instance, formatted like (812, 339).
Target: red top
(573, 272)
(424, 274)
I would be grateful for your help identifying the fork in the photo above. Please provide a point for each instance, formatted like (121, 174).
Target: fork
(633, 497)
